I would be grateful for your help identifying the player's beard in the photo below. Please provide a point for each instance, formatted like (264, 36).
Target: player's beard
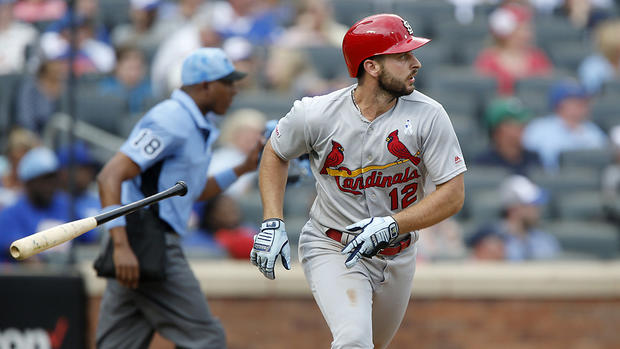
(392, 85)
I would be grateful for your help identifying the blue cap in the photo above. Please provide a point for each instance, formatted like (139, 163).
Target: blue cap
(81, 155)
(483, 233)
(37, 162)
(566, 89)
(208, 64)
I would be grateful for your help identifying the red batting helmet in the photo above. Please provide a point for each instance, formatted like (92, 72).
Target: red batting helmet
(378, 35)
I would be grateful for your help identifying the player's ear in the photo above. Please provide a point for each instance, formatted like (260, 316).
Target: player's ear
(372, 67)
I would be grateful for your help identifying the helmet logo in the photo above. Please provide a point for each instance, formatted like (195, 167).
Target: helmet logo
(408, 27)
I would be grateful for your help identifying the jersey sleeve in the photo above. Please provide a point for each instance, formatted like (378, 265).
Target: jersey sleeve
(441, 150)
(150, 142)
(289, 139)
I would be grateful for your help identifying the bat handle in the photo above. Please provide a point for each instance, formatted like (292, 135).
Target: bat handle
(180, 188)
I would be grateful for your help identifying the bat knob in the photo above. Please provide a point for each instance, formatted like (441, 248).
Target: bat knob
(15, 253)
(183, 189)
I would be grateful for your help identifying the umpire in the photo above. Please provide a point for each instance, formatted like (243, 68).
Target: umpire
(171, 142)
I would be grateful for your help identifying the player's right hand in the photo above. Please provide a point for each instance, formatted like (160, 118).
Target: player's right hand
(270, 243)
(126, 266)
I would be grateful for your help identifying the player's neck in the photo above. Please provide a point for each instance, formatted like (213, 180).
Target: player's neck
(371, 102)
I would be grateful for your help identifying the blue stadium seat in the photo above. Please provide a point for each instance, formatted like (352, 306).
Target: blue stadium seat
(348, 12)
(534, 91)
(597, 239)
(464, 41)
(114, 12)
(273, 104)
(592, 158)
(568, 179)
(568, 55)
(105, 112)
(464, 82)
(9, 85)
(432, 13)
(551, 30)
(584, 205)
(327, 61)
(605, 111)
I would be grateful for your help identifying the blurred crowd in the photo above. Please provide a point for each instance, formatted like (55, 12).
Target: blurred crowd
(532, 87)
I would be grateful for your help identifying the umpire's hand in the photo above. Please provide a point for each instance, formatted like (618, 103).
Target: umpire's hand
(271, 242)
(126, 264)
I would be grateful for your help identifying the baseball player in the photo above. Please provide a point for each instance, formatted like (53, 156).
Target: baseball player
(171, 142)
(371, 146)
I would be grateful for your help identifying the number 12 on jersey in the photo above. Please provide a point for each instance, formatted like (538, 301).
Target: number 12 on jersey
(408, 196)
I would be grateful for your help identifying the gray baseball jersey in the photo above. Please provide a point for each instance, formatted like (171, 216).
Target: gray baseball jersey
(362, 168)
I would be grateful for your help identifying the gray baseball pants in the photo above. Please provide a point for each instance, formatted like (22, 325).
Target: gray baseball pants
(176, 308)
(363, 306)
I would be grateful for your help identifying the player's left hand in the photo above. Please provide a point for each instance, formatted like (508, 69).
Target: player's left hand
(375, 233)
(271, 242)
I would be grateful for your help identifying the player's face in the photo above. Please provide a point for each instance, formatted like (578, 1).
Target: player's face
(41, 190)
(530, 215)
(223, 93)
(397, 76)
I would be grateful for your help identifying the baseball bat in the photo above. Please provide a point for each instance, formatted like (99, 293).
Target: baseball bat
(48, 238)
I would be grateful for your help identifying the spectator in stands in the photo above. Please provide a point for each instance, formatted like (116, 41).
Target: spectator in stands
(243, 54)
(442, 241)
(32, 11)
(85, 199)
(255, 20)
(611, 179)
(314, 26)
(42, 205)
(93, 55)
(239, 133)
(568, 128)
(20, 141)
(603, 65)
(521, 206)
(167, 61)
(15, 37)
(145, 30)
(89, 11)
(512, 55)
(179, 13)
(166, 67)
(487, 245)
(288, 71)
(222, 228)
(129, 80)
(505, 120)
(585, 14)
(39, 97)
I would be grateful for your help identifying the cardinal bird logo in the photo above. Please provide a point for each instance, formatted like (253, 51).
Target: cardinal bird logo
(334, 158)
(398, 149)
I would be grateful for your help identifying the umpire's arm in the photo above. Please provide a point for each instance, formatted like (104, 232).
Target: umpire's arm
(118, 169)
(212, 188)
(272, 176)
(444, 202)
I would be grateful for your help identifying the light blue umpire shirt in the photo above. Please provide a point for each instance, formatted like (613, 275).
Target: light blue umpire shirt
(177, 136)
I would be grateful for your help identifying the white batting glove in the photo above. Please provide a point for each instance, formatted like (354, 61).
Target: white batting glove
(376, 233)
(271, 242)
